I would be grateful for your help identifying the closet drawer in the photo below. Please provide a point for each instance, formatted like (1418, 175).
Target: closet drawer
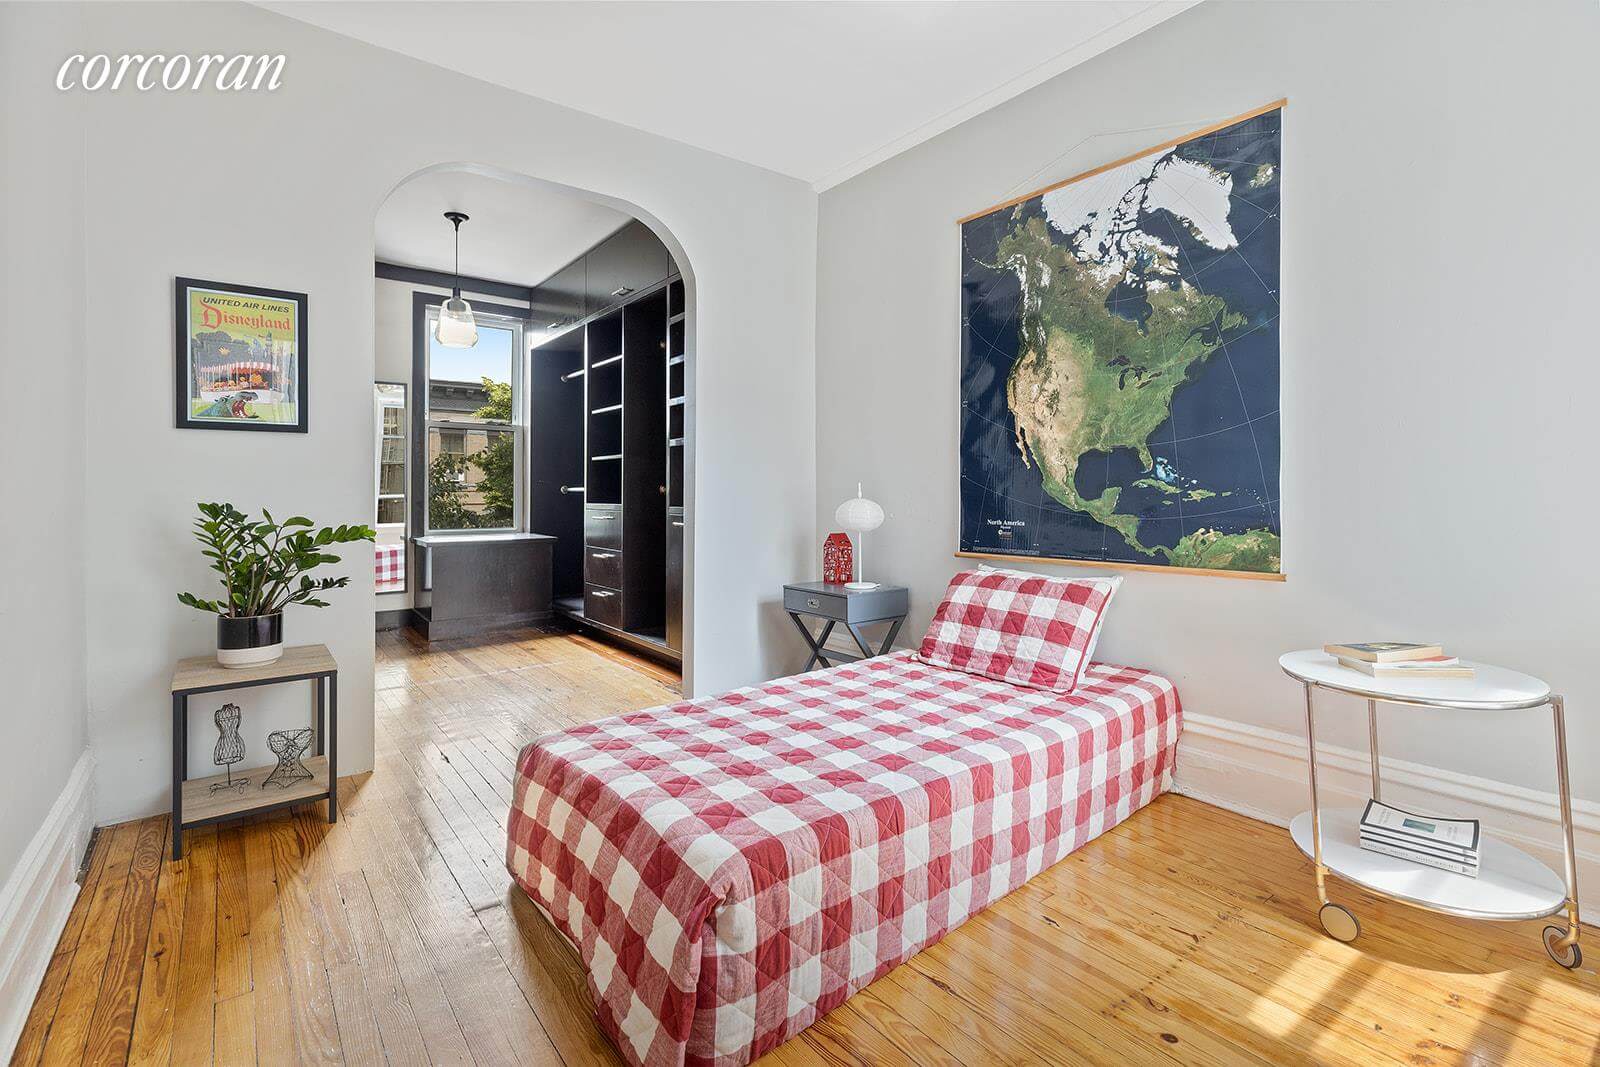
(602, 566)
(602, 526)
(602, 605)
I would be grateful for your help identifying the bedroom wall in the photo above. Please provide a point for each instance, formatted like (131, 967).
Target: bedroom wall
(282, 189)
(44, 795)
(1438, 350)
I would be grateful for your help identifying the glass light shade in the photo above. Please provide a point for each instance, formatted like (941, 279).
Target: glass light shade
(859, 515)
(456, 328)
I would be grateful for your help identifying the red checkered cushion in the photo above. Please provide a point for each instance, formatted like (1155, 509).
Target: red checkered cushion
(389, 566)
(1025, 629)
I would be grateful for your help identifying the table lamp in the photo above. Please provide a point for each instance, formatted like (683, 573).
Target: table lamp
(859, 516)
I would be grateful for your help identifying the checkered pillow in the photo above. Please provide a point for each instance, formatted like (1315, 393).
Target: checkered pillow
(1021, 628)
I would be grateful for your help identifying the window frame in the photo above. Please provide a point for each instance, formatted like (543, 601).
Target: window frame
(494, 316)
(404, 495)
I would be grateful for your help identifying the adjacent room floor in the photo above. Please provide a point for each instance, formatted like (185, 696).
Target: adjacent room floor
(1188, 934)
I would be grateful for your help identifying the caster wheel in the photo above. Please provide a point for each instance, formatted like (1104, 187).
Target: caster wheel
(1568, 956)
(1339, 922)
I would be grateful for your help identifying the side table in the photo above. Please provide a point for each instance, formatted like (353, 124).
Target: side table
(194, 802)
(1510, 884)
(855, 608)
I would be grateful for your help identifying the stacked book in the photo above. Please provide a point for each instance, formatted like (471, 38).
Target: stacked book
(1398, 659)
(1448, 844)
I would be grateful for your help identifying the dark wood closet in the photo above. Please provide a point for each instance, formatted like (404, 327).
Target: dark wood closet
(607, 429)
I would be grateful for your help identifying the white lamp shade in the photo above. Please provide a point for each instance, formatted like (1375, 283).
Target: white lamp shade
(456, 327)
(859, 515)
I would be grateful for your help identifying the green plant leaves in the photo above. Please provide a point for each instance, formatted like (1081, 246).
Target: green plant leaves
(260, 562)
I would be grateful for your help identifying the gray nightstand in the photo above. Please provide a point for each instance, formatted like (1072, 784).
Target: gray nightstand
(854, 608)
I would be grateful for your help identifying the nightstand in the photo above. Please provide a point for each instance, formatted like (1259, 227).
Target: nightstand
(854, 608)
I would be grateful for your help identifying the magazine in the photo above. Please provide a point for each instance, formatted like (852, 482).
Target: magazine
(1458, 834)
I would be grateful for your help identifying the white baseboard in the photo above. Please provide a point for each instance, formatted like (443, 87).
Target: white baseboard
(1262, 773)
(36, 899)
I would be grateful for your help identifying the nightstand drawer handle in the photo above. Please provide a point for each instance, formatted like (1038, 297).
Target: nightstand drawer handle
(604, 555)
(601, 593)
(813, 602)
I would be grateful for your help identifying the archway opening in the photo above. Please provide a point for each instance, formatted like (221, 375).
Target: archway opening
(541, 475)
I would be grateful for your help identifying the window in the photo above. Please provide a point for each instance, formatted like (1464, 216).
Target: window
(389, 399)
(475, 422)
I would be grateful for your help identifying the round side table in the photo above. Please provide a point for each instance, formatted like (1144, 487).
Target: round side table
(1511, 885)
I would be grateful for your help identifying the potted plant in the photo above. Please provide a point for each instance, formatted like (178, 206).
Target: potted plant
(263, 564)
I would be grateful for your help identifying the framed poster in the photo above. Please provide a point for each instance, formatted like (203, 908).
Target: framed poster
(241, 357)
(1119, 361)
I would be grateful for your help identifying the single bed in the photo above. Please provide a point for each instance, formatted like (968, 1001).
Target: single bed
(730, 869)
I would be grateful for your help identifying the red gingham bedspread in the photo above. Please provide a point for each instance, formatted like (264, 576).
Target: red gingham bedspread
(732, 868)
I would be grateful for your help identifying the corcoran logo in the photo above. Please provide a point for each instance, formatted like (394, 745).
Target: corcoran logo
(225, 74)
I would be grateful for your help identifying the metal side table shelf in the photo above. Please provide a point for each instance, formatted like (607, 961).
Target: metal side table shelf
(202, 801)
(1511, 885)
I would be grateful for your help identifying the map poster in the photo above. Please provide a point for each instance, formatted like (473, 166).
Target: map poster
(1119, 361)
(241, 357)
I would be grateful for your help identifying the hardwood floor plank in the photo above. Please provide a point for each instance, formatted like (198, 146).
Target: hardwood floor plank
(310, 991)
(193, 1019)
(233, 918)
(69, 1031)
(158, 984)
(393, 1014)
(111, 1025)
(235, 1027)
(1187, 935)
(279, 1025)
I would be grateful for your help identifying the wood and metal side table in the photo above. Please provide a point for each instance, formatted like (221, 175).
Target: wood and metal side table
(1510, 885)
(195, 802)
(855, 608)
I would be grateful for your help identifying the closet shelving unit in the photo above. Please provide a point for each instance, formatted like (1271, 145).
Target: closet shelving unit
(677, 414)
(614, 407)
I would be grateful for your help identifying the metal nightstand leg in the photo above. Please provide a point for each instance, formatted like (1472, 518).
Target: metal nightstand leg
(1566, 948)
(180, 754)
(814, 643)
(1372, 746)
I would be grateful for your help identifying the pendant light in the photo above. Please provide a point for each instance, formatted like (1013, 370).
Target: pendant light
(455, 327)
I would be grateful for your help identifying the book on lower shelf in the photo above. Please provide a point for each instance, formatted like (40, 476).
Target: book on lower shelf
(1447, 844)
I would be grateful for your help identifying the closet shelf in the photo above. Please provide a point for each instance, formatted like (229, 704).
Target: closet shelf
(674, 442)
(597, 364)
(607, 409)
(674, 401)
(613, 455)
(675, 319)
(674, 361)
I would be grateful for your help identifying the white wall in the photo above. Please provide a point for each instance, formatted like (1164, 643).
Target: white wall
(1438, 349)
(281, 189)
(45, 815)
(43, 699)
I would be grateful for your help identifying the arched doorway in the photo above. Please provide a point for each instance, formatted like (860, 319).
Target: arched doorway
(571, 419)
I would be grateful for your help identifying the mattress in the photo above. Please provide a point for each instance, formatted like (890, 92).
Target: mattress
(731, 868)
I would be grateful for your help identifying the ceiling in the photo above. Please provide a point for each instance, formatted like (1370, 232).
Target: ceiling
(517, 233)
(819, 91)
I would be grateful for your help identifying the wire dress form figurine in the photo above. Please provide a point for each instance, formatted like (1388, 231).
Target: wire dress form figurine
(230, 747)
(288, 746)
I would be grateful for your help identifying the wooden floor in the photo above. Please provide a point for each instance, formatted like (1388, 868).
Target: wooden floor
(1186, 935)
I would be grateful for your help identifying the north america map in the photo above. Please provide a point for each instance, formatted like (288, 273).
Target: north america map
(1119, 361)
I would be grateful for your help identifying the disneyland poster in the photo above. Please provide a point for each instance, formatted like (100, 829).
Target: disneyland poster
(241, 357)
